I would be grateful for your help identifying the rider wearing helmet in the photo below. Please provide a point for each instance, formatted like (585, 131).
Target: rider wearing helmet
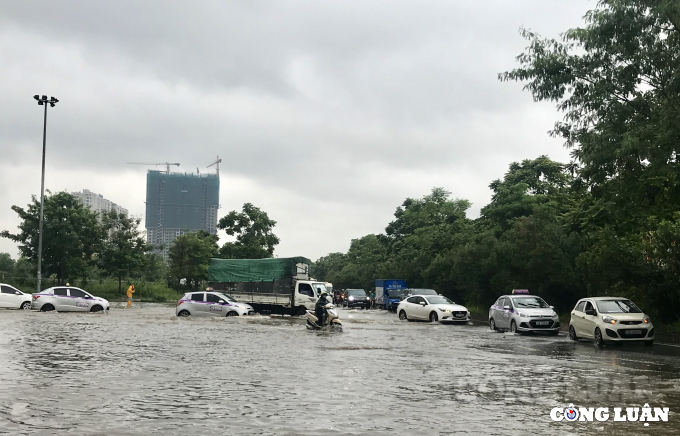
(319, 310)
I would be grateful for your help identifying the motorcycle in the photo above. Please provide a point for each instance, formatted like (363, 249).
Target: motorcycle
(331, 320)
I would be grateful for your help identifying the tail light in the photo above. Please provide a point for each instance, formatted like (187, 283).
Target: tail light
(179, 302)
(35, 297)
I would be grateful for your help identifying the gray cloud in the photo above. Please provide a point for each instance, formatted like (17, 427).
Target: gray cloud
(327, 114)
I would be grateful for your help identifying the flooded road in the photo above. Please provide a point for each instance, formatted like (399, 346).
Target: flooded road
(143, 370)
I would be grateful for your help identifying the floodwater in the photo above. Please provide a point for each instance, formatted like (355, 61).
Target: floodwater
(144, 371)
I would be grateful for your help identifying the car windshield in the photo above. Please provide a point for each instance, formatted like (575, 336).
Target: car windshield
(529, 303)
(226, 298)
(397, 293)
(424, 292)
(357, 292)
(617, 306)
(319, 288)
(439, 299)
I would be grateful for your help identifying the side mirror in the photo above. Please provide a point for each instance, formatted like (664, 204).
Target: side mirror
(507, 307)
(422, 303)
(552, 307)
(591, 312)
(221, 301)
(17, 292)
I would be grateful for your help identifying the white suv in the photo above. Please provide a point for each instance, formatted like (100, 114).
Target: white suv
(68, 299)
(12, 298)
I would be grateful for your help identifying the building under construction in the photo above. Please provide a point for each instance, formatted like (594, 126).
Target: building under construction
(179, 203)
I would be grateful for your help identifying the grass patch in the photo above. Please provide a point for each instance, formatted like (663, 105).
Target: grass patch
(158, 292)
(145, 291)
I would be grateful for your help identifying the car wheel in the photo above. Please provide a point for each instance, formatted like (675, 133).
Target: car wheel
(184, 313)
(232, 313)
(402, 315)
(513, 326)
(96, 308)
(572, 333)
(492, 325)
(599, 341)
(649, 343)
(26, 305)
(47, 308)
(433, 317)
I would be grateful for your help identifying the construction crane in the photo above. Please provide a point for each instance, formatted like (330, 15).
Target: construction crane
(167, 165)
(217, 165)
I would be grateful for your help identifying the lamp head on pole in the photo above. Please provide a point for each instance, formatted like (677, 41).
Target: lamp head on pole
(43, 100)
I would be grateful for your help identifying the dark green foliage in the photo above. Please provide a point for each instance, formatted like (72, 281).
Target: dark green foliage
(123, 251)
(255, 238)
(6, 265)
(72, 235)
(190, 256)
(607, 223)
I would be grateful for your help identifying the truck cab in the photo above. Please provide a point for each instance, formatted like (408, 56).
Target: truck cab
(307, 292)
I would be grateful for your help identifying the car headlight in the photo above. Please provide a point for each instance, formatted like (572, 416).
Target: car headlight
(646, 320)
(555, 315)
(351, 298)
(608, 319)
(524, 315)
(444, 310)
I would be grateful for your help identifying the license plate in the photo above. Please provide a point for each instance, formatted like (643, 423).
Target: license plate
(542, 322)
(634, 332)
(459, 315)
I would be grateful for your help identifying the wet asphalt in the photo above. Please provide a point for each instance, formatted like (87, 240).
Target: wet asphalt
(144, 371)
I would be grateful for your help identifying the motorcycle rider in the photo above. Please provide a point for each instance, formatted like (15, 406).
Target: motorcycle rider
(319, 310)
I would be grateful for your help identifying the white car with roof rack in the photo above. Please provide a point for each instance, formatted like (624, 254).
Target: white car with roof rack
(68, 299)
(520, 312)
(12, 298)
(211, 303)
(610, 319)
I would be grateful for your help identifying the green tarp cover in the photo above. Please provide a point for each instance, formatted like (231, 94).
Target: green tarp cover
(256, 270)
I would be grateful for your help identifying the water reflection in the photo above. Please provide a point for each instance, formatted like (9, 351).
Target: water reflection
(143, 371)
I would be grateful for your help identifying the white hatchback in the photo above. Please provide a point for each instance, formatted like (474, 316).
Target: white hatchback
(211, 304)
(68, 299)
(12, 298)
(610, 319)
(433, 308)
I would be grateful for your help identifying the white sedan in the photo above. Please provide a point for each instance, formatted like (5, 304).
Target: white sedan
(433, 308)
(68, 299)
(211, 304)
(12, 298)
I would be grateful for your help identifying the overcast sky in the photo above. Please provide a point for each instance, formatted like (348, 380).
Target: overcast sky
(327, 114)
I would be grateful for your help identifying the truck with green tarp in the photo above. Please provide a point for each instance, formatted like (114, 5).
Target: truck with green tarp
(279, 285)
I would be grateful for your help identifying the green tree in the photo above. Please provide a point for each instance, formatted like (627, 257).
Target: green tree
(327, 267)
(617, 82)
(154, 268)
(6, 265)
(122, 252)
(190, 257)
(72, 234)
(254, 234)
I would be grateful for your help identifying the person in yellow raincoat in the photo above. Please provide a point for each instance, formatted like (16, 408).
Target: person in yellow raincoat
(130, 291)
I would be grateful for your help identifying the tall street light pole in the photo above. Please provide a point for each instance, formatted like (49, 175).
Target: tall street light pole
(42, 101)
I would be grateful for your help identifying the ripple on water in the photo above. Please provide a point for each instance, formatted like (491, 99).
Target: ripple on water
(144, 371)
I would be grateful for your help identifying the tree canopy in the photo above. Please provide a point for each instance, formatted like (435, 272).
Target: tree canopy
(71, 235)
(253, 229)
